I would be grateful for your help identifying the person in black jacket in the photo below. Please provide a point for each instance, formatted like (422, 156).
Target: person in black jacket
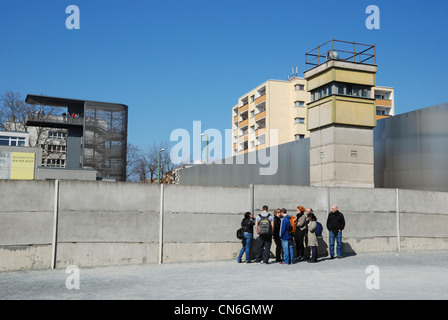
(301, 237)
(247, 224)
(278, 242)
(335, 225)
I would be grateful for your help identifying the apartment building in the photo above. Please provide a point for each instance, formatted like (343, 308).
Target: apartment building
(385, 106)
(281, 105)
(275, 104)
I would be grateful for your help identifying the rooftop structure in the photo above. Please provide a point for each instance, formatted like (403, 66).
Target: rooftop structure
(96, 133)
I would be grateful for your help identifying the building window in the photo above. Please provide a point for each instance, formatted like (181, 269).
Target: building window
(12, 141)
(57, 135)
(300, 136)
(341, 89)
(300, 103)
(321, 92)
(56, 163)
(352, 90)
(382, 96)
(261, 91)
(56, 148)
(252, 98)
(300, 120)
(252, 113)
(300, 87)
(261, 139)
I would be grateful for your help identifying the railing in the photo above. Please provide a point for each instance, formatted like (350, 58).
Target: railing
(260, 99)
(260, 115)
(39, 117)
(243, 108)
(340, 50)
(384, 102)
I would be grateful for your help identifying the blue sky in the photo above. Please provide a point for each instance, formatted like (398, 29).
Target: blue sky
(175, 62)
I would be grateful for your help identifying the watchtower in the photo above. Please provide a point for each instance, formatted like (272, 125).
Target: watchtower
(342, 113)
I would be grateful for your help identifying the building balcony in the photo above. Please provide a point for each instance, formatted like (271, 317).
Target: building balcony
(260, 99)
(261, 146)
(384, 102)
(260, 131)
(50, 121)
(243, 108)
(243, 123)
(243, 138)
(260, 115)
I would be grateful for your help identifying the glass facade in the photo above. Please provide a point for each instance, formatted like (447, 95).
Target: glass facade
(106, 139)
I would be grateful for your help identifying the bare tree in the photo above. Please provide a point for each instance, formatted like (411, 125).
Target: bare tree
(165, 161)
(152, 155)
(132, 161)
(137, 166)
(166, 165)
(13, 114)
(143, 165)
(141, 168)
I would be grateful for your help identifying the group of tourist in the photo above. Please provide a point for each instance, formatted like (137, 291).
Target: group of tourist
(287, 231)
(66, 116)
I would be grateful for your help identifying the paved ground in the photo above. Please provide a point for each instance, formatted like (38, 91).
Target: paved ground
(405, 275)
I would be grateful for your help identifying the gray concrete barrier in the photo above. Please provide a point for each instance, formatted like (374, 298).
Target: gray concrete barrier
(100, 223)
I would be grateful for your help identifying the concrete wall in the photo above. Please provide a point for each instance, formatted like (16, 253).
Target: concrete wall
(342, 156)
(26, 217)
(411, 150)
(100, 223)
(286, 164)
(200, 222)
(49, 173)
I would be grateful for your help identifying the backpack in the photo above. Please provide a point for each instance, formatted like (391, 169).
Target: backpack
(264, 225)
(319, 229)
(293, 227)
(240, 233)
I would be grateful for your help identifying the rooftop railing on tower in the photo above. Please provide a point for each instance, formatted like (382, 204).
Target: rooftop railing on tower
(340, 50)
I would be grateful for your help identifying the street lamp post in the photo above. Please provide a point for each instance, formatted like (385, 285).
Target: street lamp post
(158, 167)
(206, 146)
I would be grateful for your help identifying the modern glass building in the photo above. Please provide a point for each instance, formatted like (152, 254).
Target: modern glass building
(96, 133)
